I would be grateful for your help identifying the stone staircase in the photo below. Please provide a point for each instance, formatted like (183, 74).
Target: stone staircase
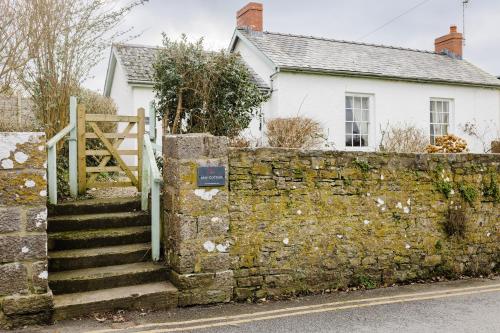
(100, 259)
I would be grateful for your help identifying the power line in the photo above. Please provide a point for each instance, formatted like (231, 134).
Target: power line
(393, 19)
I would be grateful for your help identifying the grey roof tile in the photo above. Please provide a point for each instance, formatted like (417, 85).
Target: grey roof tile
(137, 61)
(336, 56)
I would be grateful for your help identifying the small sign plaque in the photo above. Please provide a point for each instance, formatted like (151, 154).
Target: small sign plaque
(211, 176)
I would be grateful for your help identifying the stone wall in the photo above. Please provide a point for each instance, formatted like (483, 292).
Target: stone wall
(292, 221)
(196, 220)
(305, 221)
(24, 294)
(17, 114)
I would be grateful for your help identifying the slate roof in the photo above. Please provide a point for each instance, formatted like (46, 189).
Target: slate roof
(137, 61)
(295, 52)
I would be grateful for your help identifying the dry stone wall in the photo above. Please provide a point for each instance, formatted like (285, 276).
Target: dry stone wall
(289, 222)
(305, 221)
(24, 294)
(17, 114)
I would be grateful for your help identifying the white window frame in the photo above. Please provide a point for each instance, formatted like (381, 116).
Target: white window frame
(370, 122)
(436, 111)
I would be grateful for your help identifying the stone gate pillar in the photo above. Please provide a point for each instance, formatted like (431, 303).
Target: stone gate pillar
(196, 222)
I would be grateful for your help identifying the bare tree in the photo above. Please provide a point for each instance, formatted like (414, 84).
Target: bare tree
(485, 133)
(402, 138)
(13, 44)
(67, 39)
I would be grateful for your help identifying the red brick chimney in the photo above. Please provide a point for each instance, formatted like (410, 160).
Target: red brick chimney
(250, 17)
(450, 44)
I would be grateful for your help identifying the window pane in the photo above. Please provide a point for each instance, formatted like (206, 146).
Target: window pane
(440, 118)
(439, 106)
(348, 140)
(364, 140)
(357, 102)
(444, 129)
(356, 140)
(364, 103)
(348, 102)
(432, 130)
(365, 115)
(355, 128)
(433, 117)
(446, 118)
(357, 114)
(433, 106)
(363, 128)
(446, 106)
(348, 128)
(348, 115)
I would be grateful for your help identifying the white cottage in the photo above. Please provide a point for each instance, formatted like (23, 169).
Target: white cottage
(353, 89)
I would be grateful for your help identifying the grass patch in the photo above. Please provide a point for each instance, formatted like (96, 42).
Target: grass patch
(366, 282)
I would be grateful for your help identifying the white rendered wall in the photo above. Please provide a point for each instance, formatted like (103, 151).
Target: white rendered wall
(128, 100)
(255, 132)
(121, 93)
(322, 97)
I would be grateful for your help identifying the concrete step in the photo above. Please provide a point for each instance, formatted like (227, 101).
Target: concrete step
(150, 296)
(95, 206)
(86, 239)
(97, 221)
(98, 257)
(97, 278)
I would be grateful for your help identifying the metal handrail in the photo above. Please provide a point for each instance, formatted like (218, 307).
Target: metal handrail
(151, 182)
(52, 156)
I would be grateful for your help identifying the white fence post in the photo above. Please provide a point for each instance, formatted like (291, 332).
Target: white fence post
(73, 158)
(152, 122)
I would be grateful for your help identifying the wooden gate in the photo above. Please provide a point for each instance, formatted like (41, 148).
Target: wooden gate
(88, 128)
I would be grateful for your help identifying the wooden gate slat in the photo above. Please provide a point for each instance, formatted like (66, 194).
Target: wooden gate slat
(116, 144)
(81, 145)
(114, 152)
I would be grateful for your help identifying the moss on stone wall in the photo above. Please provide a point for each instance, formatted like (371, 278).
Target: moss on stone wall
(305, 221)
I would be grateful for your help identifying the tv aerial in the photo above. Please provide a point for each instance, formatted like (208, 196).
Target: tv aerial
(465, 3)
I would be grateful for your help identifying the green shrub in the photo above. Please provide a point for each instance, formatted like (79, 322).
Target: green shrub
(469, 193)
(444, 187)
(362, 165)
(491, 190)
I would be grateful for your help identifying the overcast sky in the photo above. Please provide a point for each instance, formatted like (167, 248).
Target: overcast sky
(339, 19)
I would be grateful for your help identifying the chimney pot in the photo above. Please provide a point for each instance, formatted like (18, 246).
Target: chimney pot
(451, 44)
(250, 17)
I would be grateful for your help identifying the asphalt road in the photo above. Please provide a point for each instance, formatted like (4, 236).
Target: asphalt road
(460, 306)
